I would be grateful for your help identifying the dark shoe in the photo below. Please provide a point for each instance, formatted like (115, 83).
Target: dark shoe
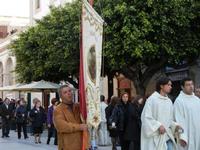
(48, 142)
(26, 137)
(39, 142)
(36, 142)
(2, 136)
(7, 136)
(94, 148)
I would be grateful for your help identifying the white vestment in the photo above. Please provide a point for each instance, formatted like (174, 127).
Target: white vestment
(187, 114)
(157, 111)
(103, 134)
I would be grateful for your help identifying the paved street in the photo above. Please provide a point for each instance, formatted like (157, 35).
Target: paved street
(13, 143)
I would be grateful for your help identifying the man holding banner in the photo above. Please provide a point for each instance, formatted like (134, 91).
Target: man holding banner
(68, 116)
(67, 121)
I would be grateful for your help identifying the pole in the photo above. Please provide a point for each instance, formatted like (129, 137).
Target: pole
(82, 90)
(31, 21)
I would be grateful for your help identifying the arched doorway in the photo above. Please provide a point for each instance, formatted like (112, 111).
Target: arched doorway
(124, 85)
(9, 75)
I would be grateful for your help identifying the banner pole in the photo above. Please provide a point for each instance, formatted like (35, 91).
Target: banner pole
(82, 87)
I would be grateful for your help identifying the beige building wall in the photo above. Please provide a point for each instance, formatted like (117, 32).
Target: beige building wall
(17, 19)
(115, 86)
(133, 90)
(40, 8)
(104, 87)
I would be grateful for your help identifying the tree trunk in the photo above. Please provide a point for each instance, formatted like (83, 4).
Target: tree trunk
(140, 79)
(110, 86)
(140, 89)
(142, 74)
(135, 75)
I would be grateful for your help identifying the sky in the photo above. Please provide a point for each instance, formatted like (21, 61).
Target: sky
(15, 8)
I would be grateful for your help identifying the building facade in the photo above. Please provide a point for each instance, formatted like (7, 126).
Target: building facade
(13, 21)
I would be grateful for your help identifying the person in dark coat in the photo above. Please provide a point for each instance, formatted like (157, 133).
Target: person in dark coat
(119, 118)
(6, 113)
(133, 127)
(38, 118)
(113, 131)
(51, 128)
(1, 101)
(13, 105)
(21, 118)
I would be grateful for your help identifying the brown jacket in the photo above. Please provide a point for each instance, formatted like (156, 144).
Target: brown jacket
(67, 124)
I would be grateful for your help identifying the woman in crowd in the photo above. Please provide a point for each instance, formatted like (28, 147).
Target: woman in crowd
(112, 130)
(119, 118)
(51, 128)
(21, 118)
(38, 118)
(133, 127)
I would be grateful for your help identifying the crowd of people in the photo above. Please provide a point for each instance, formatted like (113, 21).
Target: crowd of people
(139, 123)
(156, 123)
(123, 121)
(15, 113)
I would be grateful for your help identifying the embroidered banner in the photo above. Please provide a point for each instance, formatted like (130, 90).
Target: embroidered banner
(92, 32)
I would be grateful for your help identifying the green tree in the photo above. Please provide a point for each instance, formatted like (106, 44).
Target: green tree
(141, 37)
(50, 50)
(144, 36)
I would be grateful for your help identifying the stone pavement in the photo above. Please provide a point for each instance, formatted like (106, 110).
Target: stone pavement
(13, 143)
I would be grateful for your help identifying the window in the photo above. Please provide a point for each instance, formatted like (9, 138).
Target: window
(3, 31)
(37, 4)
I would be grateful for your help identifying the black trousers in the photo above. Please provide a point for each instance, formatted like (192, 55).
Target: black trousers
(5, 127)
(114, 143)
(136, 145)
(124, 143)
(52, 131)
(19, 129)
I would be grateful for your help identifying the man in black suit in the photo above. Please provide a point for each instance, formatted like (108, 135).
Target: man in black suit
(6, 112)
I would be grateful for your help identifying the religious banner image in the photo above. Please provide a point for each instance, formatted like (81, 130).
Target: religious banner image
(92, 32)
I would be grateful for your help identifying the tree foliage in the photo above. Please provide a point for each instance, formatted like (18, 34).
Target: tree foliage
(50, 50)
(141, 37)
